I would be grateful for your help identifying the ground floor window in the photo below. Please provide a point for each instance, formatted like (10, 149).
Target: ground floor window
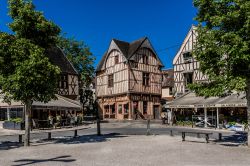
(3, 114)
(112, 109)
(12, 113)
(106, 109)
(125, 107)
(120, 108)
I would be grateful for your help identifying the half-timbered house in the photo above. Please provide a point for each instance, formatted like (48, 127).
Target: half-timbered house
(68, 84)
(186, 67)
(128, 80)
(210, 111)
(68, 93)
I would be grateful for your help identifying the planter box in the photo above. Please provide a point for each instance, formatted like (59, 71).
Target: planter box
(13, 125)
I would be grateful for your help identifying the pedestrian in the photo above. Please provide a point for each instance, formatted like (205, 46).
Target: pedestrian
(163, 117)
(50, 120)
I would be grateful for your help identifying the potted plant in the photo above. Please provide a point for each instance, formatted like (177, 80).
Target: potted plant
(14, 124)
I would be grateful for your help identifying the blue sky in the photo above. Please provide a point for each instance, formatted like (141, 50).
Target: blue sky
(96, 22)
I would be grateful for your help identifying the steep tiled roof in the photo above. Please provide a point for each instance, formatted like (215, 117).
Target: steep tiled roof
(123, 46)
(127, 49)
(58, 58)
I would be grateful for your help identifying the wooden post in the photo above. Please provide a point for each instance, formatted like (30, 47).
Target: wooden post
(171, 133)
(217, 117)
(8, 113)
(49, 135)
(220, 136)
(171, 117)
(207, 138)
(205, 117)
(75, 133)
(20, 140)
(98, 127)
(183, 136)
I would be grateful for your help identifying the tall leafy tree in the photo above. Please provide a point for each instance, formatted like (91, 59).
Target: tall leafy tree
(80, 56)
(223, 47)
(26, 73)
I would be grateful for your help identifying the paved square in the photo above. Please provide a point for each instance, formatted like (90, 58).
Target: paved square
(112, 150)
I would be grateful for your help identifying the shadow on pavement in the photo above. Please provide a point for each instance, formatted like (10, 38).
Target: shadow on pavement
(64, 159)
(234, 140)
(7, 145)
(93, 138)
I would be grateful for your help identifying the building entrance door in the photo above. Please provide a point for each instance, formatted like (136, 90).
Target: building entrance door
(156, 112)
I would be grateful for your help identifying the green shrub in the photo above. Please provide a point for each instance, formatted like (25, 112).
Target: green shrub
(15, 120)
(232, 123)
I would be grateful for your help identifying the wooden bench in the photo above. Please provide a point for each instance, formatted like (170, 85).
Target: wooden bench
(196, 132)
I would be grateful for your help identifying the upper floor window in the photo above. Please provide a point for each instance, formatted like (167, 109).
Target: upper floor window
(188, 79)
(145, 79)
(145, 59)
(187, 56)
(134, 64)
(63, 83)
(116, 59)
(170, 91)
(110, 80)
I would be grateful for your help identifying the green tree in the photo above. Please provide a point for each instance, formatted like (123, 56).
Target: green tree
(25, 69)
(80, 56)
(223, 47)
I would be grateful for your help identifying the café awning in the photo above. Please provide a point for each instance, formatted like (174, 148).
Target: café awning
(60, 103)
(190, 100)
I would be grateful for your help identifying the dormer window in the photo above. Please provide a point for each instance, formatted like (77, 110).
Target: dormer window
(145, 59)
(116, 59)
(187, 56)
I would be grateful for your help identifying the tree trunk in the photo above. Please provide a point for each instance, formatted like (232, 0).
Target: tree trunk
(248, 109)
(27, 122)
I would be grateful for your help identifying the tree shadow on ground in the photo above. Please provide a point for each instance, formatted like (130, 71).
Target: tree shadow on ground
(93, 138)
(64, 159)
(237, 139)
(7, 145)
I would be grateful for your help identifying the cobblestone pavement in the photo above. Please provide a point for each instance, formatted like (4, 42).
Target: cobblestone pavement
(122, 150)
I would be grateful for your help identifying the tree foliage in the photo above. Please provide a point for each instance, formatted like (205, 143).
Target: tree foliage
(25, 69)
(80, 56)
(31, 24)
(26, 73)
(222, 46)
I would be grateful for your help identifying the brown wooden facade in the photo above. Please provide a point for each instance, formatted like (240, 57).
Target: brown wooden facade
(68, 84)
(128, 81)
(186, 67)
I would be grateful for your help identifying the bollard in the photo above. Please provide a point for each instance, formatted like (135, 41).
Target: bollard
(148, 127)
(98, 127)
(171, 133)
(75, 133)
(49, 135)
(20, 140)
(220, 136)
